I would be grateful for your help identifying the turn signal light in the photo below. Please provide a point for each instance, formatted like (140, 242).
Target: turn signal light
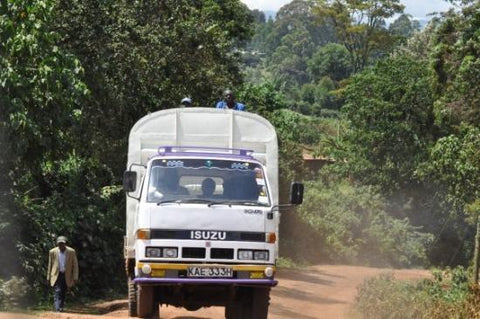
(271, 238)
(143, 234)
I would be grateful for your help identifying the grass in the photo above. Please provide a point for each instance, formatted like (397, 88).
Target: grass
(447, 296)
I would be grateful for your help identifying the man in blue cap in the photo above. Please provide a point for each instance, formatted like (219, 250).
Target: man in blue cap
(62, 272)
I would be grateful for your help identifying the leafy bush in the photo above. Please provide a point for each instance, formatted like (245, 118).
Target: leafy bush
(13, 293)
(352, 226)
(384, 297)
(446, 296)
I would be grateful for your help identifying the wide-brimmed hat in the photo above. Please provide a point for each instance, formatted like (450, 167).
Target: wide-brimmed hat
(61, 239)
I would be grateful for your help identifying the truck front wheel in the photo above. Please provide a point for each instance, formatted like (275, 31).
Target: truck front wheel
(260, 303)
(146, 305)
(132, 298)
(251, 303)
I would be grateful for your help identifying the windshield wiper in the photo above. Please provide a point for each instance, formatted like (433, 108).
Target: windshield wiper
(197, 200)
(211, 203)
(187, 200)
(171, 201)
(237, 202)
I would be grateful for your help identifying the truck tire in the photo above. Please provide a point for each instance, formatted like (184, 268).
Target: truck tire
(145, 302)
(251, 303)
(260, 303)
(132, 298)
(234, 310)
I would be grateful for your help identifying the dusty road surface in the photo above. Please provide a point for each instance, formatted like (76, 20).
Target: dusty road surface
(312, 293)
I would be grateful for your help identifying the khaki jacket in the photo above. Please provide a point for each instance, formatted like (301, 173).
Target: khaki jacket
(71, 266)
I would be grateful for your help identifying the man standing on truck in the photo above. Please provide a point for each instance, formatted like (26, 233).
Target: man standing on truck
(62, 272)
(229, 102)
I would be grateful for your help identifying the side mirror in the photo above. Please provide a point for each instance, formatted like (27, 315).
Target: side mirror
(129, 181)
(296, 193)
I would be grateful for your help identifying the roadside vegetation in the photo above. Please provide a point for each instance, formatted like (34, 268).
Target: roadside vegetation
(389, 112)
(447, 295)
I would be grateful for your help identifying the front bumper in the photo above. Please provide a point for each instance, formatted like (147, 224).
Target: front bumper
(206, 281)
(169, 273)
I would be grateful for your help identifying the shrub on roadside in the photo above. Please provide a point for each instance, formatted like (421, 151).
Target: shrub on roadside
(353, 226)
(446, 296)
(13, 293)
(385, 297)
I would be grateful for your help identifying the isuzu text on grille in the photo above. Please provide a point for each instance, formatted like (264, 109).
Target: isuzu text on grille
(210, 235)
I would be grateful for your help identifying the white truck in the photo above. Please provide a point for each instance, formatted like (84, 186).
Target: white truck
(202, 212)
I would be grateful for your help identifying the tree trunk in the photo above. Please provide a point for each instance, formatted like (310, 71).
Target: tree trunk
(476, 253)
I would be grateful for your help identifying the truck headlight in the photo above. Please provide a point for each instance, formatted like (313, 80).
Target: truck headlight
(245, 254)
(153, 252)
(161, 252)
(260, 255)
(170, 252)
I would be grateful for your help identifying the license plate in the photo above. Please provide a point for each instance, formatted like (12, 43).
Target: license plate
(209, 272)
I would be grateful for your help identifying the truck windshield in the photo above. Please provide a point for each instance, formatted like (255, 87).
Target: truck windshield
(207, 180)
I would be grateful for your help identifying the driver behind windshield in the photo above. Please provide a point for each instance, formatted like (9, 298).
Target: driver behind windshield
(208, 187)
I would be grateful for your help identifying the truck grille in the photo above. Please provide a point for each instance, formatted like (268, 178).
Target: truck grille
(215, 253)
(193, 252)
(221, 253)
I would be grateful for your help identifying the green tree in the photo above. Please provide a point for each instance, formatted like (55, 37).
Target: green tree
(331, 60)
(404, 27)
(352, 225)
(420, 45)
(262, 98)
(289, 63)
(390, 110)
(74, 76)
(298, 15)
(359, 26)
(457, 67)
(454, 166)
(41, 95)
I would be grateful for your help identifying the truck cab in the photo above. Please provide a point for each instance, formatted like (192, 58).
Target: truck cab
(202, 212)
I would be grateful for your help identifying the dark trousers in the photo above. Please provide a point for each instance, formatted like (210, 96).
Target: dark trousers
(59, 292)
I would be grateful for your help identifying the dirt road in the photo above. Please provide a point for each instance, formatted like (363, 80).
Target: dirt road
(313, 293)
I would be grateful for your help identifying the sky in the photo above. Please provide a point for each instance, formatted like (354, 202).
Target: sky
(419, 9)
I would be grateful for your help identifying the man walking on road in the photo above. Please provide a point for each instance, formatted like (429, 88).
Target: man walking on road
(62, 271)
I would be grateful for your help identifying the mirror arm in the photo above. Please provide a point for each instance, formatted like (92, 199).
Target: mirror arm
(136, 198)
(278, 208)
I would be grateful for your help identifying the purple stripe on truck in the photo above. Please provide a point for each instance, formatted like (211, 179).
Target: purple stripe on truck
(206, 281)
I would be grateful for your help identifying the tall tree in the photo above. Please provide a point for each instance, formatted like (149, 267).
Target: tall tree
(390, 110)
(331, 60)
(404, 27)
(41, 92)
(454, 166)
(146, 55)
(359, 25)
(74, 76)
(457, 68)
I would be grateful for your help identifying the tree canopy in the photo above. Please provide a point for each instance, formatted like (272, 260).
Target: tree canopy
(359, 25)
